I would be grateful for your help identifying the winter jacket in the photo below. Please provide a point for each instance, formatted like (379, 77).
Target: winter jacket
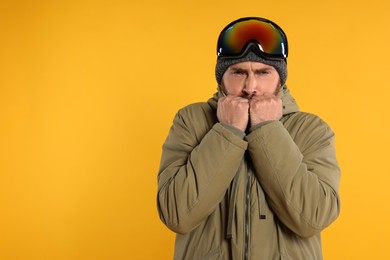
(266, 195)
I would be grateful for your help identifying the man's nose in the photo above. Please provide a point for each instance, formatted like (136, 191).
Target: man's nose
(250, 86)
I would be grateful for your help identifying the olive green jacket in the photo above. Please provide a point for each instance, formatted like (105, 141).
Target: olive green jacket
(264, 195)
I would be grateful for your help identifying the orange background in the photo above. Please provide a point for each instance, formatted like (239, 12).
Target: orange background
(88, 91)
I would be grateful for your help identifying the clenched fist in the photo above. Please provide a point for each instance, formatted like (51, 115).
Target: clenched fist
(233, 111)
(263, 108)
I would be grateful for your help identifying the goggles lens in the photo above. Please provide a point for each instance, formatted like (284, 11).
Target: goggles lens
(268, 36)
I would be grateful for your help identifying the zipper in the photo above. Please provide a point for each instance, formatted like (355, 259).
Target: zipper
(247, 206)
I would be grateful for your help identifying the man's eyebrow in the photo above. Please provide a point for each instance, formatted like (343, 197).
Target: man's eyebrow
(263, 69)
(238, 69)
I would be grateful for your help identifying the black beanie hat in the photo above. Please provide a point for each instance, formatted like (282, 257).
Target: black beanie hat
(223, 64)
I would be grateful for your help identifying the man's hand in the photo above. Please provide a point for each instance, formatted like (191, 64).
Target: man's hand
(264, 108)
(233, 111)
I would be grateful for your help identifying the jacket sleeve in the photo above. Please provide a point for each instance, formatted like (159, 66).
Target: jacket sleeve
(300, 176)
(197, 165)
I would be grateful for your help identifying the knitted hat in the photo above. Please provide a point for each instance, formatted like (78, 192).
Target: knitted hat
(223, 64)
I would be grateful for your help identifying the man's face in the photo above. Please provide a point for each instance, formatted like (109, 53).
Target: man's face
(249, 78)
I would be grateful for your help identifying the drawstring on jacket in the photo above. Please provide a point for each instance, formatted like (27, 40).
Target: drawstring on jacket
(233, 199)
(232, 206)
(261, 200)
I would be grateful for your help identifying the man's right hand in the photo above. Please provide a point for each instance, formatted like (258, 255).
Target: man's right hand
(233, 111)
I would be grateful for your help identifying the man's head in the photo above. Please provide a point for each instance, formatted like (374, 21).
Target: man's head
(252, 40)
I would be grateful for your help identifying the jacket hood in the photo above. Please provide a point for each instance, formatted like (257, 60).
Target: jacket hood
(289, 103)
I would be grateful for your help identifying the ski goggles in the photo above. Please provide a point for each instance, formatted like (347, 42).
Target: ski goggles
(265, 34)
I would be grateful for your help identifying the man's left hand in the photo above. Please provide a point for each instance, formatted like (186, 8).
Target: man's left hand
(267, 107)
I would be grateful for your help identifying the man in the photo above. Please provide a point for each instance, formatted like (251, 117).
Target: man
(246, 175)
